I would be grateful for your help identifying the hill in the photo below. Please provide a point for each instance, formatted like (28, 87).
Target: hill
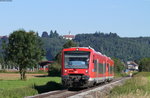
(110, 44)
(114, 46)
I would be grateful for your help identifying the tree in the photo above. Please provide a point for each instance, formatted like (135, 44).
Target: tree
(144, 64)
(45, 34)
(54, 34)
(24, 49)
(69, 44)
(119, 66)
(55, 68)
(52, 46)
(51, 32)
(127, 49)
(2, 55)
(2, 63)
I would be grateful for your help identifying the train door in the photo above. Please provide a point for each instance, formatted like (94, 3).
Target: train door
(97, 75)
(104, 71)
(107, 70)
(112, 69)
(96, 69)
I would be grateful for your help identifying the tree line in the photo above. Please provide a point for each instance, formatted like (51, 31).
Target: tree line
(26, 49)
(122, 49)
(114, 46)
(110, 44)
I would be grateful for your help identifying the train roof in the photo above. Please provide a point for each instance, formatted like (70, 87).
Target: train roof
(91, 49)
(84, 47)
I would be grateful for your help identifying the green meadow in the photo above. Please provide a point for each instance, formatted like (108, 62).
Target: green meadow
(18, 88)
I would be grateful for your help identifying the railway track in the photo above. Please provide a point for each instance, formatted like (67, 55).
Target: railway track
(72, 93)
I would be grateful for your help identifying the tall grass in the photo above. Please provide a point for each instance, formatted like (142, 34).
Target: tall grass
(138, 86)
(17, 92)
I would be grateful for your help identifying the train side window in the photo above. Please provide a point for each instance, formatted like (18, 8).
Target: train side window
(95, 65)
(109, 68)
(104, 67)
(112, 69)
(100, 68)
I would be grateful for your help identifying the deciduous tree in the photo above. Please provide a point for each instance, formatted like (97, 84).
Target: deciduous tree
(24, 49)
(119, 66)
(144, 64)
(69, 44)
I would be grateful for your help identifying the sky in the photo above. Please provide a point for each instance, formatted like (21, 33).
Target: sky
(127, 18)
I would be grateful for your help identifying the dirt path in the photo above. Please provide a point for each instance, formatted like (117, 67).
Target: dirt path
(13, 76)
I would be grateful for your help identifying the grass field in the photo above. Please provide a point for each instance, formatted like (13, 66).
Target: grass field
(12, 87)
(137, 87)
(16, 76)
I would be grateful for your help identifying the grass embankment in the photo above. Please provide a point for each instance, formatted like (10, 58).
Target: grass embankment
(19, 89)
(117, 75)
(137, 87)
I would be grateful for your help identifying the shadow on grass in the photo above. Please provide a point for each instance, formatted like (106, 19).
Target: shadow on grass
(50, 86)
(42, 76)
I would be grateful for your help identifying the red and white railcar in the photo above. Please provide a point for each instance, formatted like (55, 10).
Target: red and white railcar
(83, 66)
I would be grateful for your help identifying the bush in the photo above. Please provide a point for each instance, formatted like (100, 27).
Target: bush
(54, 69)
(118, 65)
(144, 64)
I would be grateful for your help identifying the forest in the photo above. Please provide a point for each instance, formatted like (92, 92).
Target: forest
(121, 49)
(110, 44)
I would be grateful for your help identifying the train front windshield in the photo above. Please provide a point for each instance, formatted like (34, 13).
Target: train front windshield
(76, 59)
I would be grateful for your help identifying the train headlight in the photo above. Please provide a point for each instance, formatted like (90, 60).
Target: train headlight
(65, 71)
(86, 71)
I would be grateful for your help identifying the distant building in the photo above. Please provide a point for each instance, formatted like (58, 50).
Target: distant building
(3, 37)
(44, 65)
(69, 36)
(132, 65)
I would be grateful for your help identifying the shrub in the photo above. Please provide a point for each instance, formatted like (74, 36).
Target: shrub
(54, 69)
(119, 66)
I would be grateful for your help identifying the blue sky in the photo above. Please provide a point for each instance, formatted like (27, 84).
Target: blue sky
(127, 18)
